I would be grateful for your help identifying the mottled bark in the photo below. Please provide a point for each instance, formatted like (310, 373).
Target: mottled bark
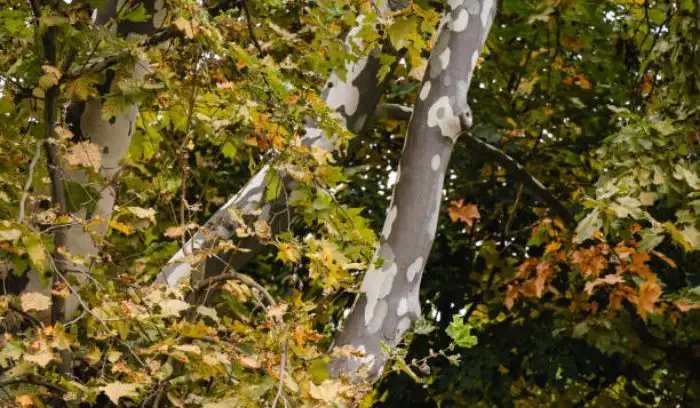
(388, 303)
(113, 136)
(354, 101)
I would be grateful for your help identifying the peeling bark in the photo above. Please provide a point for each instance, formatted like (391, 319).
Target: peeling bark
(388, 303)
(354, 101)
(113, 137)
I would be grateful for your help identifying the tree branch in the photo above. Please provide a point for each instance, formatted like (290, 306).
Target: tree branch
(517, 171)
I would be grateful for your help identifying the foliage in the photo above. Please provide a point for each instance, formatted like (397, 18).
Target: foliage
(598, 100)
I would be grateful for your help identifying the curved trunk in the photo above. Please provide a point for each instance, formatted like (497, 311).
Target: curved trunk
(388, 303)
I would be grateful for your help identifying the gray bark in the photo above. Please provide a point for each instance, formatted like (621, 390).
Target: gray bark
(388, 303)
(354, 101)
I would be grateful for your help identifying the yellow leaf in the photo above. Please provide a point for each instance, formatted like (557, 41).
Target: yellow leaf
(24, 400)
(34, 301)
(248, 361)
(173, 307)
(42, 358)
(288, 253)
(85, 154)
(187, 27)
(175, 232)
(117, 390)
(123, 228)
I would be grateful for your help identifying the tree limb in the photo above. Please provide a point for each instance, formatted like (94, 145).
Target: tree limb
(519, 172)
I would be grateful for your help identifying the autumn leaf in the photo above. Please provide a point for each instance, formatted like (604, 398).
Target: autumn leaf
(42, 358)
(34, 301)
(640, 267)
(544, 273)
(288, 253)
(24, 400)
(649, 294)
(248, 361)
(467, 213)
(589, 261)
(611, 279)
(117, 390)
(511, 294)
(174, 232)
(685, 306)
(85, 154)
(123, 228)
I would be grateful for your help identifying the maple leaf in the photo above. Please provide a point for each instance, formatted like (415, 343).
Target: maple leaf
(611, 279)
(526, 268)
(684, 306)
(640, 267)
(467, 213)
(24, 400)
(544, 272)
(589, 261)
(649, 294)
(34, 301)
(85, 154)
(174, 232)
(288, 253)
(116, 390)
(511, 294)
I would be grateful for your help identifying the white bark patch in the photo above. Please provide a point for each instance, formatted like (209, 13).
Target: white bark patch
(485, 11)
(414, 269)
(455, 3)
(445, 58)
(424, 91)
(441, 114)
(435, 162)
(344, 93)
(378, 319)
(389, 223)
(388, 280)
(461, 22)
(462, 89)
(472, 6)
(402, 309)
(403, 325)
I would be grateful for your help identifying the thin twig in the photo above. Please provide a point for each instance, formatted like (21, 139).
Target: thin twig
(28, 183)
(235, 276)
(28, 379)
(251, 28)
(518, 171)
(283, 368)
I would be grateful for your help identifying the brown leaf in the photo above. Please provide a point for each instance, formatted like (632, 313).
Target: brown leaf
(640, 267)
(467, 213)
(526, 268)
(174, 232)
(511, 295)
(611, 279)
(34, 301)
(684, 306)
(649, 294)
(589, 261)
(544, 273)
(85, 154)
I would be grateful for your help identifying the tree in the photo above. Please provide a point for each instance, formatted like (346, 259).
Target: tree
(558, 234)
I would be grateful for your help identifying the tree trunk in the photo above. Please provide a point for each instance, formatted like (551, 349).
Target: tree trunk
(354, 101)
(388, 303)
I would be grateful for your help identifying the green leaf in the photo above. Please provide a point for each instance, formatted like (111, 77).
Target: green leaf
(136, 14)
(461, 333)
(274, 185)
(587, 226)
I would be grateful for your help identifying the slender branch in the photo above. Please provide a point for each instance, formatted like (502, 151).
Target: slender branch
(29, 379)
(28, 183)
(517, 171)
(204, 284)
(251, 27)
(283, 368)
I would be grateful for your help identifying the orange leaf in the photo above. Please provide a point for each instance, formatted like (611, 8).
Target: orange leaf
(608, 279)
(526, 268)
(467, 213)
(589, 261)
(544, 272)
(174, 232)
(640, 267)
(684, 306)
(511, 295)
(649, 294)
(665, 259)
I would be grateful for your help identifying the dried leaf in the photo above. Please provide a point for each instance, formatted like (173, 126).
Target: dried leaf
(85, 154)
(117, 390)
(649, 294)
(34, 301)
(611, 279)
(467, 213)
